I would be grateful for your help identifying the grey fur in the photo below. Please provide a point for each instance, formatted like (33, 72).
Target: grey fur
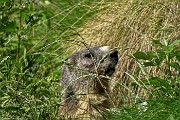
(85, 73)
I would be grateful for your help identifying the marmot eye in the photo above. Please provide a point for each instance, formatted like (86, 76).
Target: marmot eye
(88, 55)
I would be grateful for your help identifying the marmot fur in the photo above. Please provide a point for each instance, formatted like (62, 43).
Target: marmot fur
(85, 80)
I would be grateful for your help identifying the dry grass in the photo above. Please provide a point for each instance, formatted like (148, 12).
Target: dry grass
(128, 25)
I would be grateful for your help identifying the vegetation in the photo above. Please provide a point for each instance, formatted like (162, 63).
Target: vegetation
(164, 89)
(37, 35)
(32, 38)
(166, 60)
(153, 109)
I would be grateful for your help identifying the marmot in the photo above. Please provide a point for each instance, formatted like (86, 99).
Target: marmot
(85, 83)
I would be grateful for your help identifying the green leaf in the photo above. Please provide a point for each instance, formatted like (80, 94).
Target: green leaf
(141, 55)
(174, 65)
(156, 42)
(150, 54)
(146, 64)
(160, 53)
(155, 81)
(158, 61)
(168, 49)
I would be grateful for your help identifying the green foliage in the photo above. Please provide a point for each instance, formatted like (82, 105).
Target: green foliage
(152, 109)
(32, 38)
(36, 99)
(165, 59)
(163, 87)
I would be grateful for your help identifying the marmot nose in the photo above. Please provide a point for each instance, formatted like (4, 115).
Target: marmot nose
(114, 55)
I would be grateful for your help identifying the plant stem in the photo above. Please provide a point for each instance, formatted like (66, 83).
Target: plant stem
(19, 32)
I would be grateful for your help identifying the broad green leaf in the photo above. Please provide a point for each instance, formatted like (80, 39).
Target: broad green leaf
(141, 55)
(156, 42)
(155, 81)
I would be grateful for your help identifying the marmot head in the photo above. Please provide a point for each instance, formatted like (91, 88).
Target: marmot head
(100, 60)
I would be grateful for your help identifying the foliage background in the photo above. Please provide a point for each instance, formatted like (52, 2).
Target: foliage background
(33, 38)
(37, 35)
